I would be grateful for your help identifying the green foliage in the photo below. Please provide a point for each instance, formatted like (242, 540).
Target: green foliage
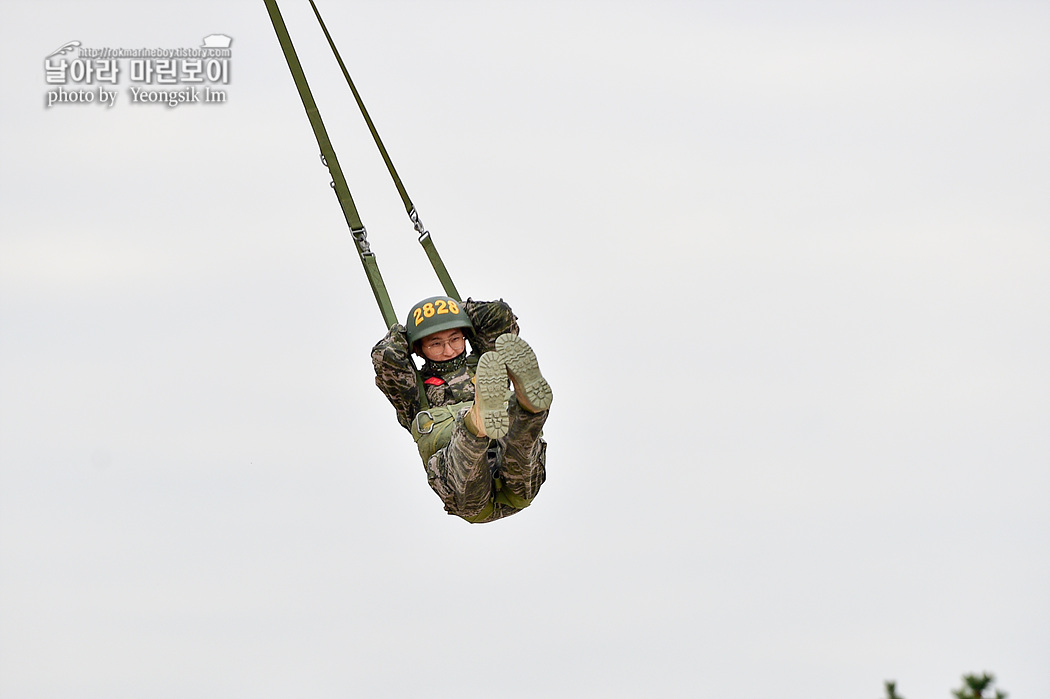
(891, 690)
(974, 687)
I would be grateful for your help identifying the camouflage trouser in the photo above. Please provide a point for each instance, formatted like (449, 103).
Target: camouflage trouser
(482, 479)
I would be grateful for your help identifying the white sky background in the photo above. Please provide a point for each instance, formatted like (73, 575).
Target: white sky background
(786, 265)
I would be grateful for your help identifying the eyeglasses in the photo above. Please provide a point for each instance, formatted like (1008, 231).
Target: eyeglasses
(435, 346)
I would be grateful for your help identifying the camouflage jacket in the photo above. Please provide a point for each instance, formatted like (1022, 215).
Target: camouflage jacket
(448, 382)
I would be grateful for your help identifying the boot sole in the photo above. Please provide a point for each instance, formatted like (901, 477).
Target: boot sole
(490, 389)
(524, 371)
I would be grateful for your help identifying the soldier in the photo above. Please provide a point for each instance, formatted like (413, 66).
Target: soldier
(481, 445)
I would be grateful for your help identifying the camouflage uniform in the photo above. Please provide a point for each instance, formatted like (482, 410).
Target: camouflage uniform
(477, 478)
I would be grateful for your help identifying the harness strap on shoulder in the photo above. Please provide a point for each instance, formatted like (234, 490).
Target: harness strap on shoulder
(424, 404)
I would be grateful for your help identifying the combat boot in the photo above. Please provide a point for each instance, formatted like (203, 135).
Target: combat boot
(488, 416)
(530, 388)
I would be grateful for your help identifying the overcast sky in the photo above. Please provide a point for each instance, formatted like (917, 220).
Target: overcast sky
(785, 264)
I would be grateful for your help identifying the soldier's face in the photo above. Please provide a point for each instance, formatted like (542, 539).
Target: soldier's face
(443, 346)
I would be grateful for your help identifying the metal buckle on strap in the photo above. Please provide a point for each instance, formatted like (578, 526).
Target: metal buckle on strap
(418, 225)
(360, 236)
(430, 428)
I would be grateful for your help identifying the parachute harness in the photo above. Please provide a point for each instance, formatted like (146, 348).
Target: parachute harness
(338, 184)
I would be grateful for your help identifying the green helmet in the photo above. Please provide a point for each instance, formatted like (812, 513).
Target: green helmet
(433, 315)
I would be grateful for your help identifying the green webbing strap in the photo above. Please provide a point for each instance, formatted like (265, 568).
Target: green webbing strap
(424, 235)
(435, 261)
(364, 112)
(424, 404)
(342, 191)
